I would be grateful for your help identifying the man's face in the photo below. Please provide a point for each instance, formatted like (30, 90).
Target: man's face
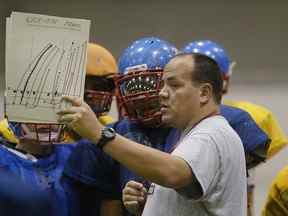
(179, 98)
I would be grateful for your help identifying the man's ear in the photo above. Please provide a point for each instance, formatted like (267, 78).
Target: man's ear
(205, 91)
(231, 68)
(225, 87)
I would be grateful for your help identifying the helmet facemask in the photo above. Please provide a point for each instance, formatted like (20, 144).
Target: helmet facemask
(140, 77)
(99, 92)
(43, 134)
(138, 94)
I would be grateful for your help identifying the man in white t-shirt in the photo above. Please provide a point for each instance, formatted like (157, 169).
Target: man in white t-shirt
(205, 174)
(209, 146)
(211, 149)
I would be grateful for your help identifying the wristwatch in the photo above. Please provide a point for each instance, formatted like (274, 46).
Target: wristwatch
(107, 134)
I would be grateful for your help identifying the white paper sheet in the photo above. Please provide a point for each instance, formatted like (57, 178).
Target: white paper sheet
(45, 59)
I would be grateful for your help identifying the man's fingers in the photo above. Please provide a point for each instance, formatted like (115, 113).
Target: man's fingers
(69, 119)
(71, 110)
(75, 101)
(69, 115)
(131, 203)
(134, 184)
(128, 198)
(133, 191)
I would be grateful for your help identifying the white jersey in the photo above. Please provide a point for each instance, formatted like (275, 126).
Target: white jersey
(215, 153)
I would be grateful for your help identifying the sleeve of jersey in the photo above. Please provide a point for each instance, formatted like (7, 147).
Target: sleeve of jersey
(201, 154)
(252, 136)
(255, 140)
(276, 134)
(92, 167)
(277, 201)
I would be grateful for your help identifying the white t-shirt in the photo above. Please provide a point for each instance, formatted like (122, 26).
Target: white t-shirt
(215, 153)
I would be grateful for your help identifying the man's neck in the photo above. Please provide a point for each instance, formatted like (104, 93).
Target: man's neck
(205, 112)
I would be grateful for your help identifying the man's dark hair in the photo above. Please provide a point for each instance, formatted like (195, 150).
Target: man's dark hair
(206, 70)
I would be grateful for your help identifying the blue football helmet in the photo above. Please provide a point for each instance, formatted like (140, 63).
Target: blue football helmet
(139, 80)
(212, 50)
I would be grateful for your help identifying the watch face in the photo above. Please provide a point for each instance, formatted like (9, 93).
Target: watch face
(109, 132)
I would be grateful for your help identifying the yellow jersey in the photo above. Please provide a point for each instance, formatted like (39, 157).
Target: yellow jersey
(277, 201)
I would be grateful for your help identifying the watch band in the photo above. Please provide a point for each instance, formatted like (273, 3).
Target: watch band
(107, 134)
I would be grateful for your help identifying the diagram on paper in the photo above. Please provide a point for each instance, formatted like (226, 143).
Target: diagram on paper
(45, 59)
(54, 71)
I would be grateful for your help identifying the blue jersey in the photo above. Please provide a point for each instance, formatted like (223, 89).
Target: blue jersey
(94, 175)
(17, 198)
(90, 162)
(91, 166)
(160, 138)
(43, 174)
(252, 136)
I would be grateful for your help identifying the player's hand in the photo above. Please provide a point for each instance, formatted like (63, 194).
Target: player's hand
(81, 119)
(134, 197)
